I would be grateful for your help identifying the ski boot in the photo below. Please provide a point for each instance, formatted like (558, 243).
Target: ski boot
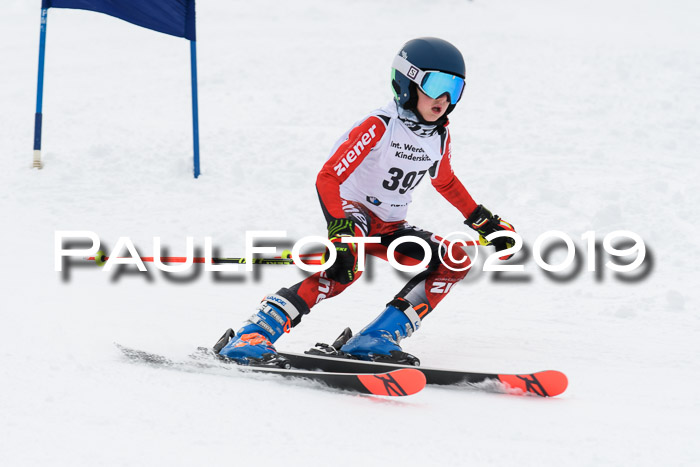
(379, 341)
(253, 343)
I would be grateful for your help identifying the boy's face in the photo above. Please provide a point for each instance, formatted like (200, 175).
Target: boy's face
(431, 109)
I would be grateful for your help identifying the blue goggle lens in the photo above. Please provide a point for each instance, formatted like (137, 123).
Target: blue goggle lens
(437, 83)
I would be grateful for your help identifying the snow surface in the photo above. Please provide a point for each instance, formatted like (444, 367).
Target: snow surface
(578, 116)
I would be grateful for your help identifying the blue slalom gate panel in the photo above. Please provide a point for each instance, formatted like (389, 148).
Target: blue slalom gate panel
(174, 17)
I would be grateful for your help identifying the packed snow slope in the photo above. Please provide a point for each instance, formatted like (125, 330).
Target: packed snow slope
(577, 116)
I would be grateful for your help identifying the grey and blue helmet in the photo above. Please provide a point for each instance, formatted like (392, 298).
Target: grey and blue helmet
(431, 64)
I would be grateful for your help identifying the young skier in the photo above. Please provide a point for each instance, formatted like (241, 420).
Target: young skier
(365, 188)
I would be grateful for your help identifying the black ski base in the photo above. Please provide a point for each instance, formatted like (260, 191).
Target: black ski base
(326, 357)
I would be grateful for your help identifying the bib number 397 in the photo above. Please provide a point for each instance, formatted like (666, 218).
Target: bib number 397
(405, 181)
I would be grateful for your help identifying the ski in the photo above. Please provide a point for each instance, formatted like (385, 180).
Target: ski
(395, 382)
(542, 383)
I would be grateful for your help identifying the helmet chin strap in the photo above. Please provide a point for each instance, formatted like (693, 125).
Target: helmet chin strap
(439, 122)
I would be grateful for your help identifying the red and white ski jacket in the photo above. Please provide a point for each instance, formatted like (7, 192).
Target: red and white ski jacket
(382, 159)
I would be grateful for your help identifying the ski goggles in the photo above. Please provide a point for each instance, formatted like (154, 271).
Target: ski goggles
(433, 83)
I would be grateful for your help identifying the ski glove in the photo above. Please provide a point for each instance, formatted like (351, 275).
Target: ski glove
(344, 268)
(486, 223)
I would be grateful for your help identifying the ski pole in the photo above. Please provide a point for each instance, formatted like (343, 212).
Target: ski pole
(100, 259)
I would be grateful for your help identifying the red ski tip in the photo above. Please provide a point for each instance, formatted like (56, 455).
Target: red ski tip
(403, 382)
(548, 383)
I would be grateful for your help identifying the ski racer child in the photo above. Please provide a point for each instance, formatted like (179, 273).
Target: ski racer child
(364, 189)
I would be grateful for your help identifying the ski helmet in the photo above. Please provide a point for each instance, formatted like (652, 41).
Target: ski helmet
(431, 64)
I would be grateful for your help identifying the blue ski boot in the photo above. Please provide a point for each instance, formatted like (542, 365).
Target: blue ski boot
(379, 341)
(252, 344)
